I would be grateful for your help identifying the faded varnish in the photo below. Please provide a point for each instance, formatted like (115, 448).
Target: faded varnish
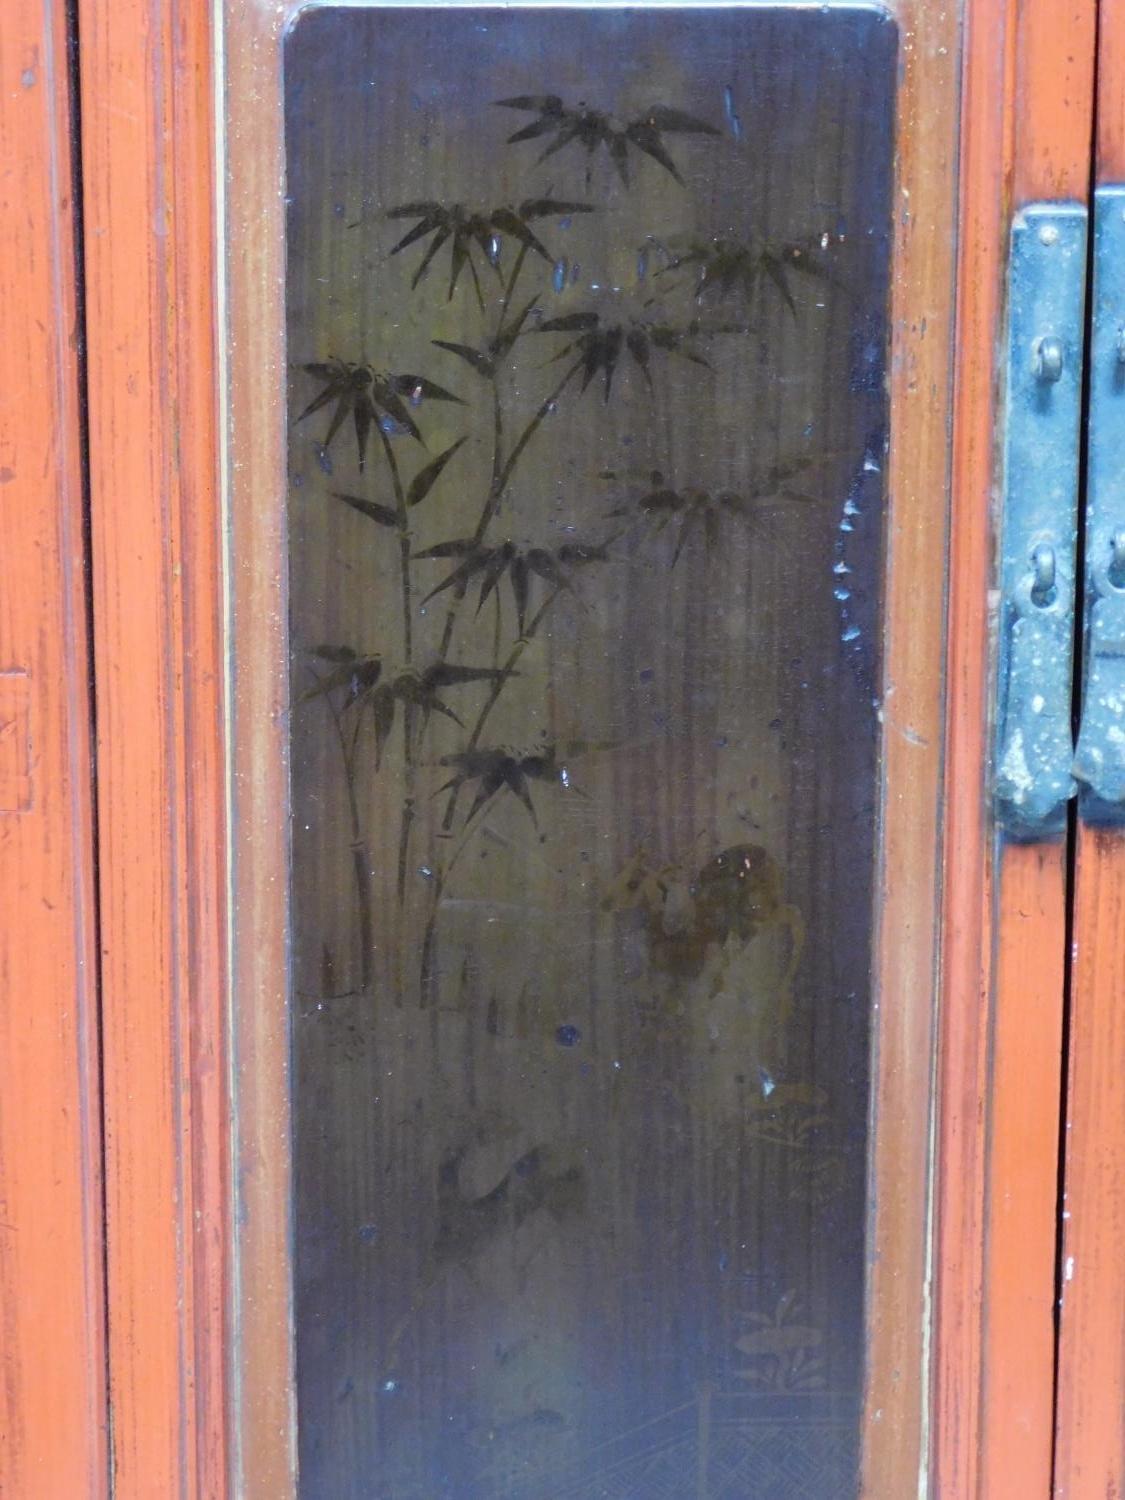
(587, 325)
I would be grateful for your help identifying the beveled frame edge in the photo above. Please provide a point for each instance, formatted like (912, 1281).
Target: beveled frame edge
(52, 1274)
(144, 70)
(1090, 1396)
(252, 374)
(897, 1436)
(1028, 76)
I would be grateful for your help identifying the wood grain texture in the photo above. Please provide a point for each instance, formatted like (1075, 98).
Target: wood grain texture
(921, 351)
(1021, 1132)
(985, 192)
(1090, 1436)
(1090, 1458)
(147, 150)
(631, 1276)
(253, 384)
(897, 1439)
(1028, 113)
(1054, 103)
(1110, 145)
(52, 1392)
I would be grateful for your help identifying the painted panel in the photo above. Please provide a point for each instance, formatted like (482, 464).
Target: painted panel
(586, 328)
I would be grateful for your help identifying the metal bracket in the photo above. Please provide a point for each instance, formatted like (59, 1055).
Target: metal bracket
(1046, 306)
(1100, 760)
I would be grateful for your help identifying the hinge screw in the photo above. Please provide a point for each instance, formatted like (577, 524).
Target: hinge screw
(1043, 564)
(1049, 359)
(1117, 559)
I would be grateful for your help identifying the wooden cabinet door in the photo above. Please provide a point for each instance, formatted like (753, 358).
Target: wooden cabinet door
(1005, 900)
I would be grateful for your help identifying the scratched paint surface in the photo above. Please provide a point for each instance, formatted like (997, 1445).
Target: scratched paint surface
(586, 320)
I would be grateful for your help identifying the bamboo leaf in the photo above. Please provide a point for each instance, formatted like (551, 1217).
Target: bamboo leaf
(417, 388)
(445, 674)
(475, 560)
(647, 139)
(549, 208)
(494, 571)
(675, 120)
(426, 226)
(362, 415)
(364, 676)
(515, 779)
(432, 249)
(776, 273)
(503, 343)
(548, 104)
(488, 788)
(382, 515)
(480, 362)
(413, 210)
(619, 153)
(532, 131)
(424, 481)
(392, 404)
(569, 323)
(638, 348)
(544, 566)
(520, 581)
(508, 222)
(459, 547)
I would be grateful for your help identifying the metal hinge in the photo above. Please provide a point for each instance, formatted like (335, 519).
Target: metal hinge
(1046, 309)
(1099, 762)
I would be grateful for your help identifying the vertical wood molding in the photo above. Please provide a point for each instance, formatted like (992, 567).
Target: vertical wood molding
(1028, 101)
(896, 1430)
(897, 1435)
(52, 1389)
(265, 1439)
(147, 96)
(1090, 1440)
(987, 87)
(1090, 1454)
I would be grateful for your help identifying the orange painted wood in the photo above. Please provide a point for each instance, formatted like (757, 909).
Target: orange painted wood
(896, 1434)
(264, 1439)
(986, 165)
(147, 151)
(896, 1430)
(1090, 1442)
(1054, 98)
(1111, 92)
(1028, 119)
(1090, 1459)
(1051, 146)
(52, 1391)
(1022, 1136)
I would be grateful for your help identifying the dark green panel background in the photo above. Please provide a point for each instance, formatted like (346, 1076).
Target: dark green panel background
(581, 1117)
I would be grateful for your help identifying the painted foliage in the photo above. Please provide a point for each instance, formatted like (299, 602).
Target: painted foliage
(586, 338)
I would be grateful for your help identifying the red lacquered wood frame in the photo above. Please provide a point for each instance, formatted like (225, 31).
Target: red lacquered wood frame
(1028, 103)
(896, 1433)
(1090, 1452)
(147, 148)
(52, 1387)
(186, 1423)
